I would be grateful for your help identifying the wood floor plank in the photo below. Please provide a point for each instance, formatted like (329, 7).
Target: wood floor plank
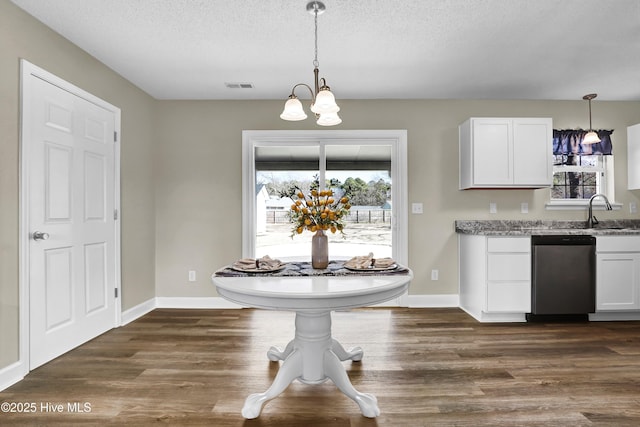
(427, 367)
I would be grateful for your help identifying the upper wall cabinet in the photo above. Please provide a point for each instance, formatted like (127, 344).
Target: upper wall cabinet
(506, 153)
(633, 157)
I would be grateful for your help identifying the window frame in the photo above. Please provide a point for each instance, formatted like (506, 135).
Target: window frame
(606, 186)
(397, 139)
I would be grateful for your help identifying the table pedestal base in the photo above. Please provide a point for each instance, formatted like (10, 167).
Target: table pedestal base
(312, 357)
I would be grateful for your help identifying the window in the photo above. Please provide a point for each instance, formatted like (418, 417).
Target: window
(580, 171)
(373, 161)
(578, 177)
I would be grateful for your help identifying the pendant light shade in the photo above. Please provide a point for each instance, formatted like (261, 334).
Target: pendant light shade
(591, 137)
(293, 110)
(323, 103)
(329, 119)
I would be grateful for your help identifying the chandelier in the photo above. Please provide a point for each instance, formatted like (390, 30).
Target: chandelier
(323, 103)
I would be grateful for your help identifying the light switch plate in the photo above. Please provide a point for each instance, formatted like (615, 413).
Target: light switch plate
(417, 208)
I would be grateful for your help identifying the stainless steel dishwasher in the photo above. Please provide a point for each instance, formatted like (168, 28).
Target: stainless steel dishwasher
(563, 282)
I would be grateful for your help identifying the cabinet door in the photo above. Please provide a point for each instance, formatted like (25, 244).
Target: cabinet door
(492, 152)
(532, 152)
(633, 157)
(618, 281)
(509, 297)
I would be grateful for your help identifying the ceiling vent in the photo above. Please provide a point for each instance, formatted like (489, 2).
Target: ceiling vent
(235, 85)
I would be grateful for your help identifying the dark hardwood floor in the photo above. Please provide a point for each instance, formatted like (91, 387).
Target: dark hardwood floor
(427, 367)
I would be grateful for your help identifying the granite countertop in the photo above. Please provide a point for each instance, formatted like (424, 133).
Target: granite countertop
(545, 227)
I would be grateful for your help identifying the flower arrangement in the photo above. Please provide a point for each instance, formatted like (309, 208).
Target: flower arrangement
(319, 210)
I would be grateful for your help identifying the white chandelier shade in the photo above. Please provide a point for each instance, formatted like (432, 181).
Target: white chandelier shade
(325, 102)
(293, 110)
(329, 119)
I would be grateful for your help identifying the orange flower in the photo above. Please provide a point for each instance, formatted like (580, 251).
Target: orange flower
(319, 210)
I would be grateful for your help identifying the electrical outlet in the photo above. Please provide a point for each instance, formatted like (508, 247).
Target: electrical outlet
(434, 274)
(633, 207)
(192, 275)
(416, 208)
(524, 207)
(493, 208)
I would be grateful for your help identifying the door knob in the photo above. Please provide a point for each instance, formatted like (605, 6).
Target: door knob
(40, 235)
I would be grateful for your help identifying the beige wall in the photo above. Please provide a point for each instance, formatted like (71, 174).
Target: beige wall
(21, 36)
(198, 176)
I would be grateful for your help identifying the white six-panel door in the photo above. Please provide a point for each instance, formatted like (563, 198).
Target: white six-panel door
(72, 232)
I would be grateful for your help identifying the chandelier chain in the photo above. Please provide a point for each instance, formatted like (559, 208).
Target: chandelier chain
(315, 60)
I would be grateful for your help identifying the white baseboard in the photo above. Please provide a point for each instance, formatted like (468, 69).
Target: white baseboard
(138, 311)
(433, 301)
(11, 374)
(194, 302)
(612, 316)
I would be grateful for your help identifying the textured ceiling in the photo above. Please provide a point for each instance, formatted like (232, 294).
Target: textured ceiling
(433, 49)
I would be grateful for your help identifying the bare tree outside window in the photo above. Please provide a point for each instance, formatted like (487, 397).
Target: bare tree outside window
(577, 177)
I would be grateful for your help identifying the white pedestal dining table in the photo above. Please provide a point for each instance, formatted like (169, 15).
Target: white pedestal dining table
(313, 355)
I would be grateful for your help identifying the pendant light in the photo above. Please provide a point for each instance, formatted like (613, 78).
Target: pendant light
(323, 103)
(591, 137)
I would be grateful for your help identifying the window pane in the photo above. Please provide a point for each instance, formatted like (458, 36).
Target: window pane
(558, 192)
(574, 185)
(589, 161)
(278, 170)
(364, 171)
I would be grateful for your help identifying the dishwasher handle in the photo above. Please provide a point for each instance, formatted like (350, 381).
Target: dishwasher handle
(562, 239)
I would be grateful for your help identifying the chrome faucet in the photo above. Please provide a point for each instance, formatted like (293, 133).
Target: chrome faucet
(592, 219)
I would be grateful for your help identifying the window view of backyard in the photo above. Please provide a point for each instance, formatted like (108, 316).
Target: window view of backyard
(367, 226)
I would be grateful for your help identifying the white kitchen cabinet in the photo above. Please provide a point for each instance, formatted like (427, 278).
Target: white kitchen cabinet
(618, 273)
(633, 157)
(495, 277)
(506, 153)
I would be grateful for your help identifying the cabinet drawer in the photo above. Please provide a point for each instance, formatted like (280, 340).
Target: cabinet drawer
(618, 243)
(509, 244)
(508, 267)
(509, 297)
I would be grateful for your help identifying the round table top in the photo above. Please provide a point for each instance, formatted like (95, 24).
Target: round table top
(312, 293)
